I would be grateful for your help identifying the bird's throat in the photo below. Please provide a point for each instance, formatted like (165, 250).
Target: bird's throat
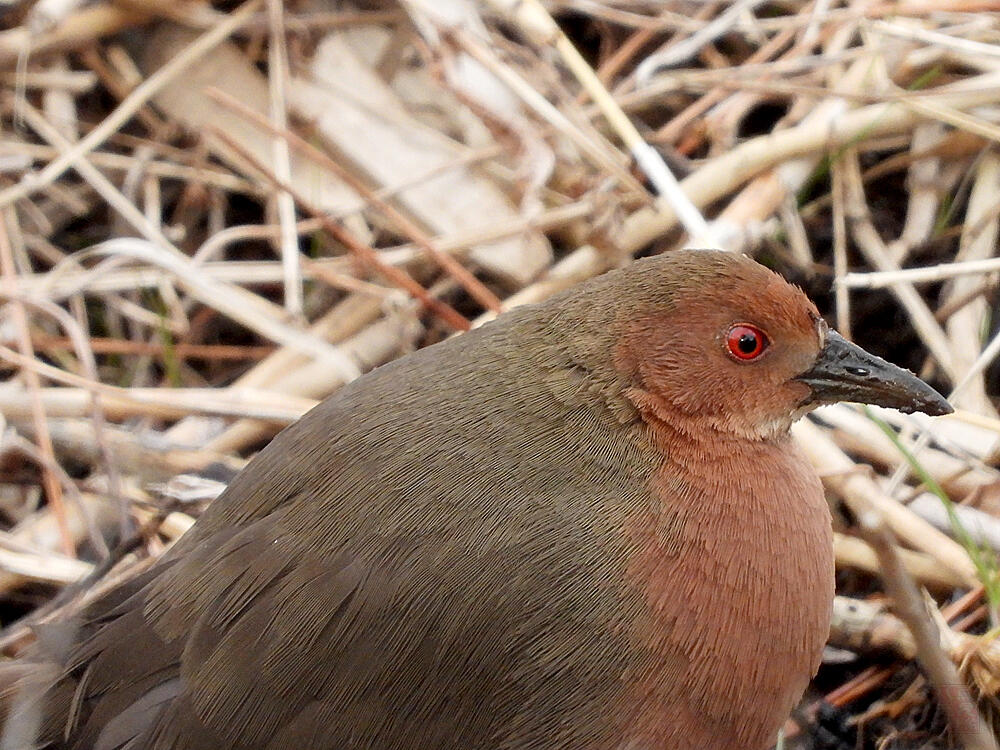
(733, 564)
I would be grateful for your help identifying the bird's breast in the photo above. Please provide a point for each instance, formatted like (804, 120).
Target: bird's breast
(733, 564)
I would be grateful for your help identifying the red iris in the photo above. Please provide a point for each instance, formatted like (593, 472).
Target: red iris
(746, 342)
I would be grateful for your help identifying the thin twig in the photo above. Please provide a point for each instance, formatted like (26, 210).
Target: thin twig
(53, 488)
(277, 76)
(364, 253)
(457, 271)
(951, 691)
(131, 104)
(535, 19)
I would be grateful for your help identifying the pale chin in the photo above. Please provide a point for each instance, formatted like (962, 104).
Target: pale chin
(779, 427)
(769, 429)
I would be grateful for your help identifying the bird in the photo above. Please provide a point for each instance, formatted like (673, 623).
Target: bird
(583, 526)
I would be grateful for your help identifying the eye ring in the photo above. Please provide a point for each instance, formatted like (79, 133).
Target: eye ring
(745, 342)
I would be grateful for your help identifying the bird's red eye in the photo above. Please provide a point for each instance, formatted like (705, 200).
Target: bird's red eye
(746, 342)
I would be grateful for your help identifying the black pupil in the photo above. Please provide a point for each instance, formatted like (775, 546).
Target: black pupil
(747, 343)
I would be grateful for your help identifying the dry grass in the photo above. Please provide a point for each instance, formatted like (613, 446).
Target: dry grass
(214, 214)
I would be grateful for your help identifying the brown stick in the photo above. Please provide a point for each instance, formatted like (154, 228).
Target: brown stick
(103, 345)
(53, 489)
(420, 238)
(365, 254)
(908, 604)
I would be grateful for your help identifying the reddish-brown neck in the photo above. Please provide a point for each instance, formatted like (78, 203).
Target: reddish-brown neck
(733, 561)
(694, 442)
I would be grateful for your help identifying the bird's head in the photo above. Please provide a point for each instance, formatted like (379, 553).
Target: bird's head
(720, 338)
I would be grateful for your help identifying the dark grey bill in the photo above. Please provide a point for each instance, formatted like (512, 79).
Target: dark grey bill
(846, 372)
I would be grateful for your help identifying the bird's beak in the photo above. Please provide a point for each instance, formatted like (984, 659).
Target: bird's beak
(845, 372)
